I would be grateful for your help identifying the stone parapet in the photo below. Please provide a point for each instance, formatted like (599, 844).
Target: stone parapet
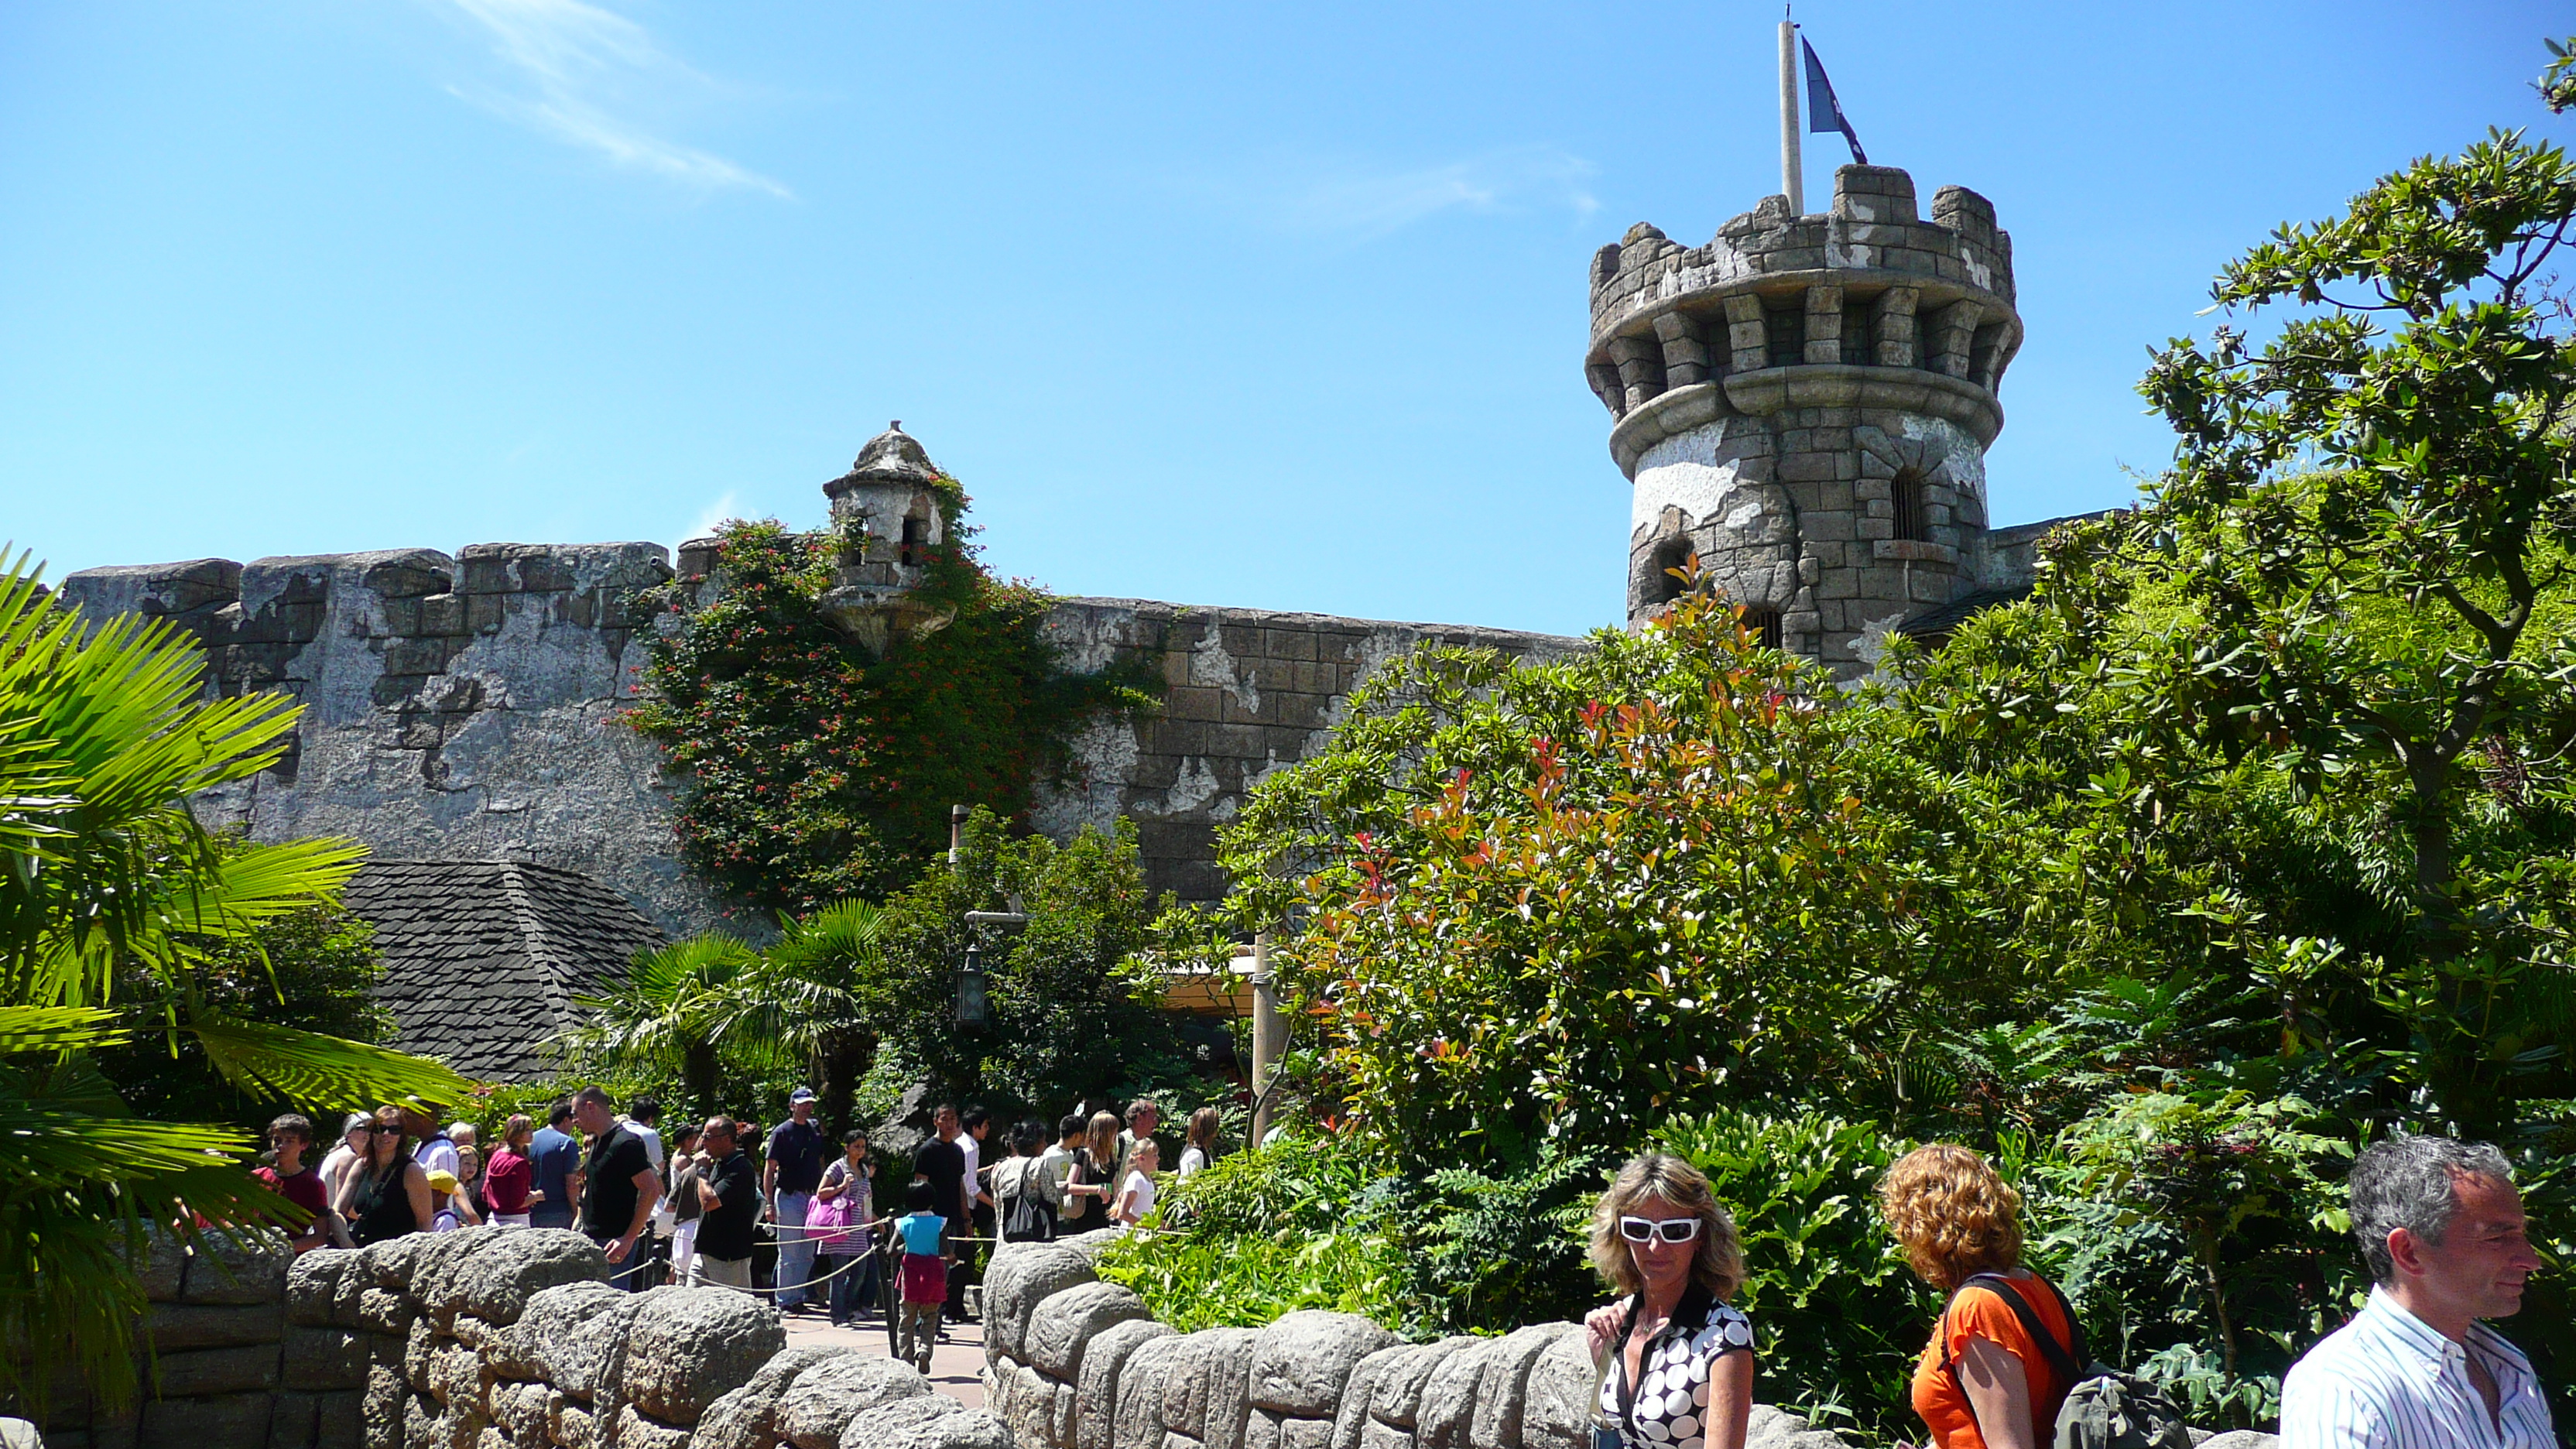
(1307, 1380)
(1247, 692)
(488, 1338)
(1867, 284)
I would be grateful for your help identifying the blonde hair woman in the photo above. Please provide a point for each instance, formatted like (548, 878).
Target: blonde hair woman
(1983, 1382)
(1678, 1360)
(1200, 1148)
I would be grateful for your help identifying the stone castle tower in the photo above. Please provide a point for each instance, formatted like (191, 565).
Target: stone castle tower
(1805, 403)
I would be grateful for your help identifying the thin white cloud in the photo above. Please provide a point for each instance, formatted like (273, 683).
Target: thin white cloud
(715, 515)
(581, 73)
(1362, 203)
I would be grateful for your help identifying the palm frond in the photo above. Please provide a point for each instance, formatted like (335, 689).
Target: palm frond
(57, 1029)
(315, 1070)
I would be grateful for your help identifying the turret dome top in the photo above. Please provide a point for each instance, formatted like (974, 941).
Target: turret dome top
(893, 456)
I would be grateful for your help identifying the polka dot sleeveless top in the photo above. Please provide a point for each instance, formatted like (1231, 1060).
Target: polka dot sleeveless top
(1672, 1388)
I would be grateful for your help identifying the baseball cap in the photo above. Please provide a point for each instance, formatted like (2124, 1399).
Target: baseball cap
(442, 1180)
(801, 1094)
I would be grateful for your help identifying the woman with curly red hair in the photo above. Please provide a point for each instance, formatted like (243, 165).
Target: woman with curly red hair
(1985, 1381)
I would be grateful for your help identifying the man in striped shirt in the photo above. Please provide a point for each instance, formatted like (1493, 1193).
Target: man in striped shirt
(2442, 1231)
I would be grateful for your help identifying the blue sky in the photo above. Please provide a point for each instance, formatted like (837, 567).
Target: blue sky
(1270, 306)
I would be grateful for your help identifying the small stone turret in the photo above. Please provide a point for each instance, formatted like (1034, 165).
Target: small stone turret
(886, 515)
(1805, 403)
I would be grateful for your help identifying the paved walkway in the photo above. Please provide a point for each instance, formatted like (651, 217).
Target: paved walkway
(956, 1365)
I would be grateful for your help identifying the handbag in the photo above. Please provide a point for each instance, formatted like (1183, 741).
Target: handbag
(832, 1226)
(1606, 1431)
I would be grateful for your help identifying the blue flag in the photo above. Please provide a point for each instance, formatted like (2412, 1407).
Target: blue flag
(1824, 113)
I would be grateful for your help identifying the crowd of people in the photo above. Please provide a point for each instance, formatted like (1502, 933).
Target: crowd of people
(690, 1209)
(2439, 1223)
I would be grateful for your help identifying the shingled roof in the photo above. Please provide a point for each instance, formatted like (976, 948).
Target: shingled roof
(483, 957)
(1934, 626)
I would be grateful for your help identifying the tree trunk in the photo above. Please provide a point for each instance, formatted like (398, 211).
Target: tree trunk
(699, 1079)
(2453, 1044)
(839, 1061)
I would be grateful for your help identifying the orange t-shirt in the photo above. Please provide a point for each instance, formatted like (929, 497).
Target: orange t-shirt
(1980, 1312)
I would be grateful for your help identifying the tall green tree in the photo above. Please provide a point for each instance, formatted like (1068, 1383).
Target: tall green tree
(2368, 514)
(112, 896)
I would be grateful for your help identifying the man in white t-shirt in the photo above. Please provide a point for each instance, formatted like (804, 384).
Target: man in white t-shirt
(643, 1118)
(436, 1153)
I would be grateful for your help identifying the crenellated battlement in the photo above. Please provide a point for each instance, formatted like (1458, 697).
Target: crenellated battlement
(1866, 286)
(1804, 404)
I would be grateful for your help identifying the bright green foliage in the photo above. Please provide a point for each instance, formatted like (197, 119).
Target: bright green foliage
(670, 1019)
(116, 907)
(1197, 1282)
(313, 970)
(2253, 1203)
(1293, 1224)
(2378, 632)
(1619, 889)
(855, 993)
(1072, 1010)
(818, 772)
(1839, 1318)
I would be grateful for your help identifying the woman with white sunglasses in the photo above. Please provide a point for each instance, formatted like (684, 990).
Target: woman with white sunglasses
(1677, 1362)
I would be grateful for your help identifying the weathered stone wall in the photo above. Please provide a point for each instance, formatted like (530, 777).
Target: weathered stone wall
(466, 708)
(457, 708)
(1247, 693)
(1075, 1363)
(491, 1338)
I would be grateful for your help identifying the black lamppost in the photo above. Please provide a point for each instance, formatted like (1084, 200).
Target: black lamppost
(973, 1005)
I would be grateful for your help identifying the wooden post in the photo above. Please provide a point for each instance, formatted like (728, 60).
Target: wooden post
(1793, 171)
(1269, 1036)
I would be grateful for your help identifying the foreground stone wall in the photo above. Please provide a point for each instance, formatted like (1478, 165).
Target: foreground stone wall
(1076, 1363)
(465, 707)
(491, 1338)
(1072, 1362)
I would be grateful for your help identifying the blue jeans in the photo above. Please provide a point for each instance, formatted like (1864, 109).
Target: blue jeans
(634, 1275)
(795, 1250)
(855, 1291)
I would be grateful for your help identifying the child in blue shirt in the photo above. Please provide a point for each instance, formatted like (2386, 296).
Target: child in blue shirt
(925, 1275)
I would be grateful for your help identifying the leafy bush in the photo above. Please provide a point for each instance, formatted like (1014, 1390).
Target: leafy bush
(312, 969)
(1206, 1281)
(1838, 1317)
(1294, 1223)
(818, 771)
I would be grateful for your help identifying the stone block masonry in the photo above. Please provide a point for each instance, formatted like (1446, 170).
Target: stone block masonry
(1075, 1363)
(1247, 694)
(455, 708)
(465, 707)
(488, 1338)
(510, 1338)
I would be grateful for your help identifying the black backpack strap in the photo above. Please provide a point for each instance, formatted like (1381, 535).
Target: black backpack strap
(2067, 1360)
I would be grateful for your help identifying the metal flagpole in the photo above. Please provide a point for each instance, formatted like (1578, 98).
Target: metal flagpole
(1793, 173)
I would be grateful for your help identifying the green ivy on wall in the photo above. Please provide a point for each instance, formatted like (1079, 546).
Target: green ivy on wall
(818, 771)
